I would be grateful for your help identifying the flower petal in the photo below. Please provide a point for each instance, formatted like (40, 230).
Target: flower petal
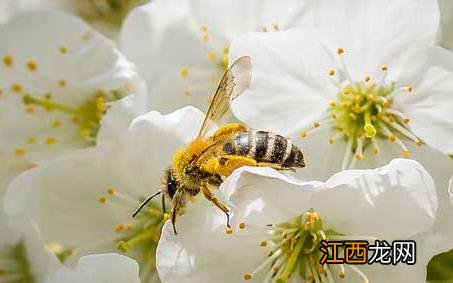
(101, 268)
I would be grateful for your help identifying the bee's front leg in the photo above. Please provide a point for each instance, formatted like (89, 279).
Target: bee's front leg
(176, 204)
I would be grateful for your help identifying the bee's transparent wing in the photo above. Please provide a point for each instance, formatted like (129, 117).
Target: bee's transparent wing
(234, 82)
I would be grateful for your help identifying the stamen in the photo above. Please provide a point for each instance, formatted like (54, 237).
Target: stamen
(359, 272)
(347, 154)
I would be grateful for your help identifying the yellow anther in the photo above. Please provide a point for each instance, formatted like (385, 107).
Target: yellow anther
(331, 140)
(316, 124)
(86, 37)
(247, 276)
(264, 29)
(31, 140)
(166, 216)
(32, 66)
(188, 93)
(276, 27)
(406, 120)
(62, 83)
(342, 275)
(123, 246)
(102, 199)
(8, 61)
(375, 151)
(359, 156)
(263, 244)
(84, 132)
(211, 56)
(17, 88)
(333, 116)
(370, 130)
(184, 72)
(205, 38)
(48, 96)
(204, 28)
(56, 124)
(228, 230)
(332, 103)
(63, 49)
(111, 191)
(367, 78)
(30, 110)
(120, 228)
(303, 134)
(331, 72)
(384, 68)
(409, 88)
(392, 138)
(50, 141)
(242, 225)
(19, 152)
(340, 51)
(405, 153)
(419, 143)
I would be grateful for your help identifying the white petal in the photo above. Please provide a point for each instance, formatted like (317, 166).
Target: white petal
(102, 268)
(402, 191)
(54, 55)
(11, 166)
(450, 189)
(429, 106)
(446, 12)
(375, 33)
(290, 86)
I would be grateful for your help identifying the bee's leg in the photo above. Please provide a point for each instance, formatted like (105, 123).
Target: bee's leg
(227, 130)
(212, 198)
(176, 203)
(272, 165)
(173, 220)
(163, 204)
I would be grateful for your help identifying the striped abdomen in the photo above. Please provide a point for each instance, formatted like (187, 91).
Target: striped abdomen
(265, 147)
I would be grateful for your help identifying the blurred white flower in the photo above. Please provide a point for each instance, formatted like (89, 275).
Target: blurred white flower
(59, 78)
(279, 223)
(446, 33)
(101, 268)
(23, 257)
(84, 200)
(181, 47)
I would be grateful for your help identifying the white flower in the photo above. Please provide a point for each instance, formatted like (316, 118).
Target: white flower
(101, 268)
(272, 213)
(181, 47)
(59, 77)
(356, 89)
(23, 257)
(84, 200)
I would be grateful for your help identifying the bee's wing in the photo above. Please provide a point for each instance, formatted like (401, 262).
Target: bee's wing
(234, 82)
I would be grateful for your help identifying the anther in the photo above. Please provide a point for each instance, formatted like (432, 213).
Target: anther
(276, 27)
(264, 29)
(384, 68)
(331, 72)
(340, 51)
(303, 134)
(331, 140)
(102, 199)
(211, 56)
(247, 276)
(409, 88)
(370, 130)
(406, 120)
(8, 61)
(359, 156)
(342, 275)
(63, 49)
(204, 28)
(31, 140)
(17, 88)
(263, 244)
(111, 191)
(166, 216)
(367, 78)
(242, 225)
(375, 151)
(56, 124)
(392, 138)
(228, 230)
(32, 66)
(50, 141)
(184, 72)
(61, 83)
(316, 124)
(19, 152)
(405, 153)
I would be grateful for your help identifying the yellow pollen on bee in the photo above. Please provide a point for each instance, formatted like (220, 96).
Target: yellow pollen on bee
(111, 190)
(405, 153)
(247, 276)
(184, 72)
(242, 225)
(17, 88)
(62, 83)
(19, 152)
(31, 140)
(211, 56)
(63, 49)
(367, 78)
(340, 51)
(409, 88)
(50, 141)
(303, 134)
(8, 61)
(316, 124)
(102, 199)
(56, 124)
(228, 230)
(359, 156)
(263, 244)
(276, 27)
(32, 66)
(331, 72)
(384, 68)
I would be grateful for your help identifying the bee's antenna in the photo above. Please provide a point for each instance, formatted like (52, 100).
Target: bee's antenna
(145, 202)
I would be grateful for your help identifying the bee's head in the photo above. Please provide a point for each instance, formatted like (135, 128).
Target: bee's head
(169, 183)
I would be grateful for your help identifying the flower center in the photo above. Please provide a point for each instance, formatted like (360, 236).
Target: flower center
(86, 117)
(138, 237)
(363, 112)
(14, 265)
(295, 248)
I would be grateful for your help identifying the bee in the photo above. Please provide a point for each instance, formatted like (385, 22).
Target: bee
(209, 159)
